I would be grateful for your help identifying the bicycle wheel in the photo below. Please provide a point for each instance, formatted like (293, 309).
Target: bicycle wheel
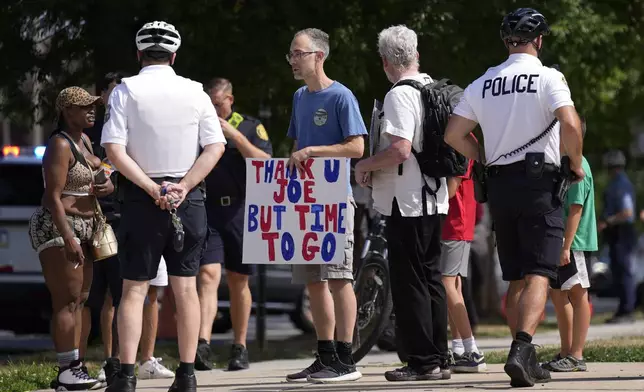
(373, 295)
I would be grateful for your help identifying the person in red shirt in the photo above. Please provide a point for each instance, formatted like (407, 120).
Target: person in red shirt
(457, 236)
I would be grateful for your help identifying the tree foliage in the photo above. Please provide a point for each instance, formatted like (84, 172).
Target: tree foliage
(596, 42)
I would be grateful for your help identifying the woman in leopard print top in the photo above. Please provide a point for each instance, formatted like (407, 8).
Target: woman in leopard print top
(61, 229)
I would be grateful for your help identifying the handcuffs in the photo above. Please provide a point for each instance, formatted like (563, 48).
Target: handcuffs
(179, 234)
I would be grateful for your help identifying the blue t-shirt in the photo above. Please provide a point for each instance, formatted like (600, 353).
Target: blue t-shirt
(325, 117)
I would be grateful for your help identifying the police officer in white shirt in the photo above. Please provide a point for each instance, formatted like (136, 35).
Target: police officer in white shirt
(155, 123)
(516, 104)
(413, 237)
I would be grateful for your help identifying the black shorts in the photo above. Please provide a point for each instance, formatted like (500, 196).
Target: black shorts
(225, 237)
(107, 276)
(147, 234)
(527, 221)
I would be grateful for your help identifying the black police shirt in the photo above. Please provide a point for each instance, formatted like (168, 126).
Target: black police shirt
(228, 178)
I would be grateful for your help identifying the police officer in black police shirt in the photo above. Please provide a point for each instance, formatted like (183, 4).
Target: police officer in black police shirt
(516, 104)
(226, 191)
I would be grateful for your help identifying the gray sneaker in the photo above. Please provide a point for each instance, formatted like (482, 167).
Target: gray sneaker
(548, 365)
(569, 364)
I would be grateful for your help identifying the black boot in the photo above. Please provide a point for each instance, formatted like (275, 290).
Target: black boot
(122, 383)
(522, 366)
(112, 368)
(184, 383)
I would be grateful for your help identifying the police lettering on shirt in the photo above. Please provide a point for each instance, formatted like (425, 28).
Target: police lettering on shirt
(513, 103)
(519, 84)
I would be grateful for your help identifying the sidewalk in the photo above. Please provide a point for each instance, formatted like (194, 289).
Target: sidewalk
(269, 377)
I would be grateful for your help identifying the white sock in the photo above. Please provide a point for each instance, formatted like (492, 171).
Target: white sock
(65, 359)
(457, 346)
(470, 345)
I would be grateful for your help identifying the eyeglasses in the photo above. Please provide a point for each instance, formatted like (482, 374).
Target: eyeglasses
(221, 101)
(296, 55)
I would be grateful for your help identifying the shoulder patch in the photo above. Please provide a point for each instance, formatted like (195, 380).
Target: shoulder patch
(261, 132)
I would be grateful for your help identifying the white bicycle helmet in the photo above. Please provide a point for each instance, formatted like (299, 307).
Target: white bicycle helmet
(159, 36)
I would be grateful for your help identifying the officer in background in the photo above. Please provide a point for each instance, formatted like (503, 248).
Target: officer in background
(617, 225)
(516, 104)
(155, 124)
(226, 190)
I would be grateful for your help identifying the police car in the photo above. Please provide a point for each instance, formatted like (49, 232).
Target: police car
(24, 299)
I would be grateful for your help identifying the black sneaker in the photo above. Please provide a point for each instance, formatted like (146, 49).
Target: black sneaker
(336, 372)
(522, 366)
(409, 374)
(238, 358)
(112, 368)
(470, 363)
(184, 383)
(202, 359)
(122, 383)
(302, 376)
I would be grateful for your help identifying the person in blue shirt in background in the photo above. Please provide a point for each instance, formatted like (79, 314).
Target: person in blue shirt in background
(617, 224)
(326, 122)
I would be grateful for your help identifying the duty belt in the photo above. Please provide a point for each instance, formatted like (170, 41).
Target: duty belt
(517, 168)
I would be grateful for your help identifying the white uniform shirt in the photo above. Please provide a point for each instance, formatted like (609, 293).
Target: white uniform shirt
(515, 102)
(162, 119)
(403, 117)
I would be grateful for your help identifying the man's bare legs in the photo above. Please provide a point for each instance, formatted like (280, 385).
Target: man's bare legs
(188, 317)
(564, 312)
(511, 304)
(149, 366)
(322, 310)
(345, 308)
(531, 303)
(573, 319)
(107, 317)
(150, 325)
(241, 302)
(209, 279)
(130, 316)
(459, 322)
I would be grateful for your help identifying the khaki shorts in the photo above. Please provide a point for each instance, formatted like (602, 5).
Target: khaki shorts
(305, 274)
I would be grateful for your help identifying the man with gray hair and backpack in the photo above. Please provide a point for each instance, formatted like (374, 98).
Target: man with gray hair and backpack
(414, 197)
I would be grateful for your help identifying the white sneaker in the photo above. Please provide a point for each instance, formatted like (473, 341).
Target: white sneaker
(75, 378)
(101, 373)
(152, 369)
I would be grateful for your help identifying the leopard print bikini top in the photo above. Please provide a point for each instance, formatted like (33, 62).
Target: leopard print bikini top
(79, 176)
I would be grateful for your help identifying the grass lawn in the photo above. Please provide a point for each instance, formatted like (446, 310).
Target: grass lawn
(627, 349)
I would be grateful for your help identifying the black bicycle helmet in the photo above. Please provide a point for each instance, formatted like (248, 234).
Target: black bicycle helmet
(526, 24)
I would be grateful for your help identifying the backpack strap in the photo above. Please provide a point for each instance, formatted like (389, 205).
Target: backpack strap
(425, 188)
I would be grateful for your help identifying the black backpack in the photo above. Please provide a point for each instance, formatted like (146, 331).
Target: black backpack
(437, 159)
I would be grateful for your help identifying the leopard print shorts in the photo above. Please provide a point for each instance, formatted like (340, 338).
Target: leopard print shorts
(44, 234)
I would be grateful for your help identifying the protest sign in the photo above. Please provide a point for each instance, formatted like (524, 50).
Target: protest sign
(295, 218)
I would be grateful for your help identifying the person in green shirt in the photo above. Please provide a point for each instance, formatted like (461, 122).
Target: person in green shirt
(570, 297)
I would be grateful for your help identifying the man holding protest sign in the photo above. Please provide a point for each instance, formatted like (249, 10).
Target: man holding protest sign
(326, 122)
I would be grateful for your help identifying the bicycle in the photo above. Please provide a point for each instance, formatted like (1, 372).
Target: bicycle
(373, 291)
